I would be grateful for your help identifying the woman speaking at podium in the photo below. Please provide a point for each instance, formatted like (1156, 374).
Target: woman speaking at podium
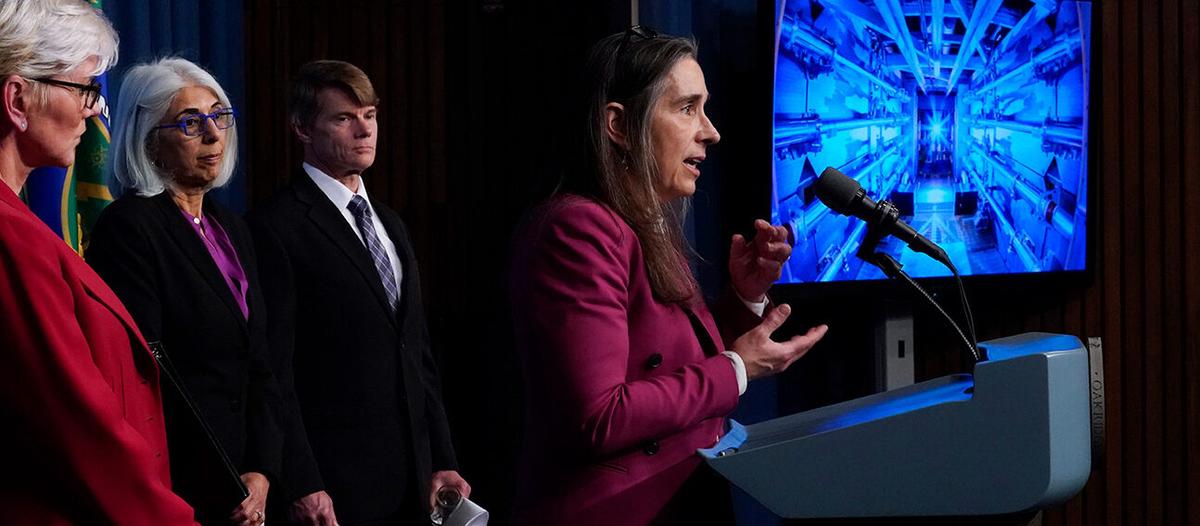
(627, 370)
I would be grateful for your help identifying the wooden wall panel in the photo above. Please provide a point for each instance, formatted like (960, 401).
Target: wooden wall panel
(1172, 249)
(1142, 300)
(1109, 198)
(1189, 175)
(1151, 236)
(1132, 257)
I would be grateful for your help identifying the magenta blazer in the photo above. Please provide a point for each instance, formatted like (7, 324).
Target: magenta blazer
(620, 391)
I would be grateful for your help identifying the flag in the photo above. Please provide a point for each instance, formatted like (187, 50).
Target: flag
(91, 184)
(70, 200)
(50, 193)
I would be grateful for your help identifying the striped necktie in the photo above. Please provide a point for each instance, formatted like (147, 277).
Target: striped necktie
(362, 216)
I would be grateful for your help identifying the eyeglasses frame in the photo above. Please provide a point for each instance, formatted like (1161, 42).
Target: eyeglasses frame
(90, 92)
(206, 117)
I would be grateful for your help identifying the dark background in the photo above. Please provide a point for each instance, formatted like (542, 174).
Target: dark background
(474, 93)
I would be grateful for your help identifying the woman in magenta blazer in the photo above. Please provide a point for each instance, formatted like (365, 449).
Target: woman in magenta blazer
(83, 439)
(627, 370)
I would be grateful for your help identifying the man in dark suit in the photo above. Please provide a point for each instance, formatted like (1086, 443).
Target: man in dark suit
(347, 326)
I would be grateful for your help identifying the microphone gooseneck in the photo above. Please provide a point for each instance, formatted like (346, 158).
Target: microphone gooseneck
(892, 268)
(845, 196)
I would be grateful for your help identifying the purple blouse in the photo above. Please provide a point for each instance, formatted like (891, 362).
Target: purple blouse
(223, 254)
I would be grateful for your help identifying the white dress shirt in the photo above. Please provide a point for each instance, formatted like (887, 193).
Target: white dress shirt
(341, 196)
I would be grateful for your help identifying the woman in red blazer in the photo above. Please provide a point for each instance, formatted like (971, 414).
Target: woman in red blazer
(627, 370)
(84, 441)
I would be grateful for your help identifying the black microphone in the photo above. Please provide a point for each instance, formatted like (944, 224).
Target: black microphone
(846, 197)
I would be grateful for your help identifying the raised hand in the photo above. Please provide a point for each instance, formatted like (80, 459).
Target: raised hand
(764, 356)
(754, 265)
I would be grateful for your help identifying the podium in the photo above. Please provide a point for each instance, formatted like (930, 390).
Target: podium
(1012, 437)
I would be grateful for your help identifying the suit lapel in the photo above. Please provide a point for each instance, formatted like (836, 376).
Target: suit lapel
(330, 221)
(184, 236)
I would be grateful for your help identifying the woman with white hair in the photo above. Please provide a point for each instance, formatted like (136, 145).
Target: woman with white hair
(186, 269)
(84, 440)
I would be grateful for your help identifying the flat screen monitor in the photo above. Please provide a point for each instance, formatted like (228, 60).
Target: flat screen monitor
(972, 117)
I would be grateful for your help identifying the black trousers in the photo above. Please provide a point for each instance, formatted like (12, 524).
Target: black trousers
(410, 514)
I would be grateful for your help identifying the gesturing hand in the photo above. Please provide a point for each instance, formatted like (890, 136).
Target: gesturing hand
(764, 356)
(252, 509)
(314, 509)
(755, 265)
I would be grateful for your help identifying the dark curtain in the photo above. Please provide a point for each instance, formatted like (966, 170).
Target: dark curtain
(207, 32)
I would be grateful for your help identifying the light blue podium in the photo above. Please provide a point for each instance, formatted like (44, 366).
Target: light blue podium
(1012, 437)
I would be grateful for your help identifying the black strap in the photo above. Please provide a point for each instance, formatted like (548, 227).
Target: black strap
(224, 487)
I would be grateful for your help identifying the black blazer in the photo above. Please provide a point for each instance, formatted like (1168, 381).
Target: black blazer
(368, 388)
(152, 258)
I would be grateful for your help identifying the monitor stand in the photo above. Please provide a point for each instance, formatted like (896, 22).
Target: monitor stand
(894, 345)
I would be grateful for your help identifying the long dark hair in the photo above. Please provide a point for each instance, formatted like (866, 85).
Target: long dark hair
(631, 68)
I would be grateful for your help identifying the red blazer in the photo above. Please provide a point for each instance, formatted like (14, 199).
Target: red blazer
(620, 391)
(84, 441)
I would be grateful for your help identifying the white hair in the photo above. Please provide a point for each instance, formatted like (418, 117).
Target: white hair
(145, 97)
(44, 38)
